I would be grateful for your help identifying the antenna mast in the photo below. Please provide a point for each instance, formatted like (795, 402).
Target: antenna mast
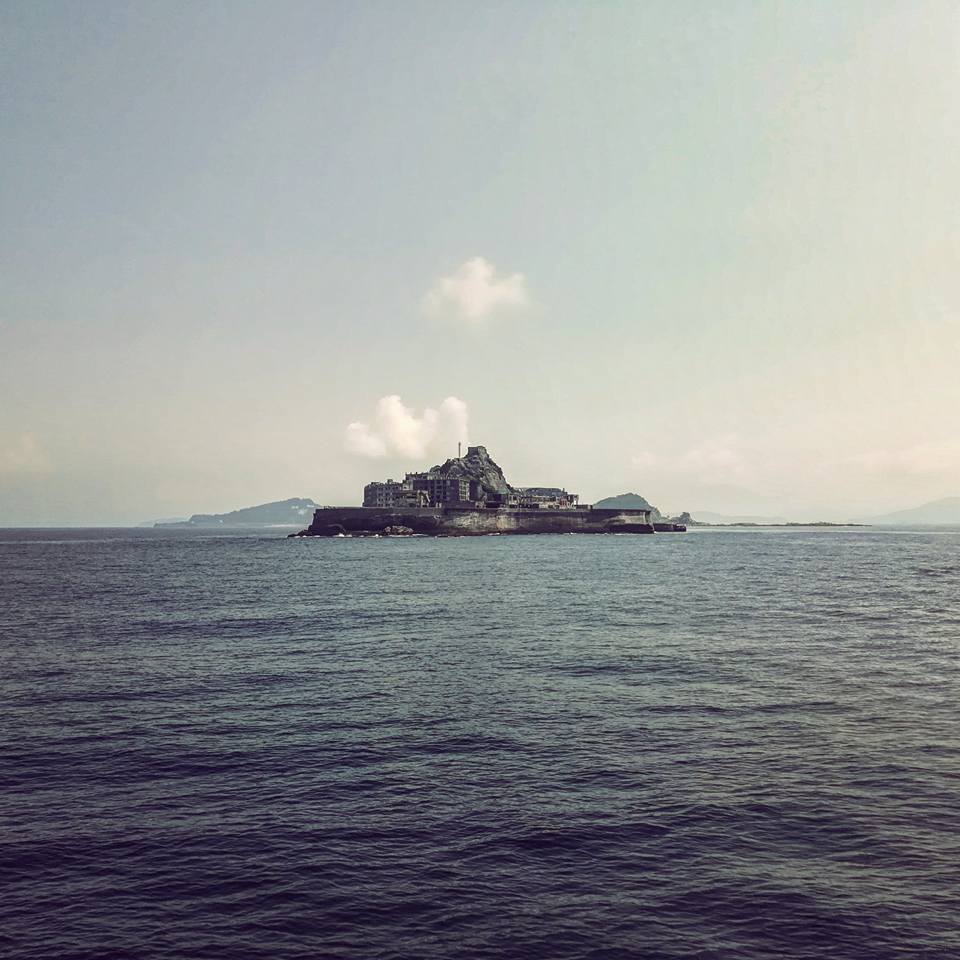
(459, 445)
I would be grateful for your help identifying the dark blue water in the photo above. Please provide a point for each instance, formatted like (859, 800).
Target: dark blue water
(715, 745)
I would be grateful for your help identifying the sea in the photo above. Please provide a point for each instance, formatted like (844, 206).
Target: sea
(735, 744)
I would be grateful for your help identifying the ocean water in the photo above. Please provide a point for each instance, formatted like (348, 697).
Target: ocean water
(724, 744)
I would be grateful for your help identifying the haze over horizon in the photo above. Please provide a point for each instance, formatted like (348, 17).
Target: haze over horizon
(704, 253)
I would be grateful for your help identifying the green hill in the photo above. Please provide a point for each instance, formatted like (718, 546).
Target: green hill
(295, 512)
(626, 501)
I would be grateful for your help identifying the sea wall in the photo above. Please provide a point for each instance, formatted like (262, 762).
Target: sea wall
(456, 521)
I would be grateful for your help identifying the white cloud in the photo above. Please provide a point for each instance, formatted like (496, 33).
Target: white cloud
(920, 461)
(23, 456)
(475, 293)
(396, 430)
(719, 460)
(363, 442)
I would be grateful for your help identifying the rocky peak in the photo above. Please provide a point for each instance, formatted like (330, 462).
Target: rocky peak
(477, 465)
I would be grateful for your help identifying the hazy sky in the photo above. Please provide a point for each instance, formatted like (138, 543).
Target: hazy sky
(704, 251)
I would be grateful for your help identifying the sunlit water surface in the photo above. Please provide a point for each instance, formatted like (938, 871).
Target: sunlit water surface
(725, 744)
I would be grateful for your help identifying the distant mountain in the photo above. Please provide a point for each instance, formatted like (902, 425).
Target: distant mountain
(626, 501)
(283, 513)
(945, 511)
(162, 521)
(705, 516)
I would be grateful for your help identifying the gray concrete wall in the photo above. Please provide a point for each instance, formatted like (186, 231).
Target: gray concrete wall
(460, 522)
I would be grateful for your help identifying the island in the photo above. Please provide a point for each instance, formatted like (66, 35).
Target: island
(470, 496)
(280, 513)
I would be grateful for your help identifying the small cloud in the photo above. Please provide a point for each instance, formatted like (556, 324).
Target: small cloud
(922, 460)
(718, 460)
(396, 430)
(361, 440)
(474, 293)
(23, 456)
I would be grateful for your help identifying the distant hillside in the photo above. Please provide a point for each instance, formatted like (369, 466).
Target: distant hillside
(162, 521)
(283, 513)
(945, 511)
(626, 501)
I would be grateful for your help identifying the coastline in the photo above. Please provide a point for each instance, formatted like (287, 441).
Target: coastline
(457, 521)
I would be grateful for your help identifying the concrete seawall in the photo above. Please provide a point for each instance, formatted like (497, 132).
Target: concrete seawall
(457, 521)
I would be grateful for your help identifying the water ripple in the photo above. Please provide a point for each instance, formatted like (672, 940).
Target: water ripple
(721, 745)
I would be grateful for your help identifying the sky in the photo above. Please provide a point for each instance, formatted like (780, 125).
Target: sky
(707, 252)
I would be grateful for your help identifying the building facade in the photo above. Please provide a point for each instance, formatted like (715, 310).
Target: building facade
(474, 480)
(547, 498)
(441, 488)
(394, 493)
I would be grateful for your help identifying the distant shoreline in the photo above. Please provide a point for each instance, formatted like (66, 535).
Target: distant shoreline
(815, 523)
